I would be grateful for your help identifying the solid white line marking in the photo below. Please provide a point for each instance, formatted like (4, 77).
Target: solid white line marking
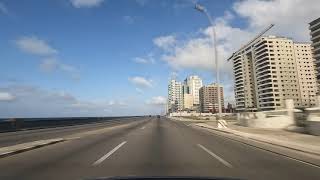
(215, 156)
(108, 154)
(143, 127)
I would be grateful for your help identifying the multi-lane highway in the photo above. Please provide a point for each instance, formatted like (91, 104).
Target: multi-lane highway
(148, 147)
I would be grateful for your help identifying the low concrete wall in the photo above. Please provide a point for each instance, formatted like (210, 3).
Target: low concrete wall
(16, 124)
(278, 119)
(313, 121)
(186, 114)
(261, 121)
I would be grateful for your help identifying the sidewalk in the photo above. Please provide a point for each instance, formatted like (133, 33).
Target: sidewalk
(296, 141)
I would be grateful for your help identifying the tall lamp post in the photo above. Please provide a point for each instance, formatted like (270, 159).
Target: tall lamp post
(204, 10)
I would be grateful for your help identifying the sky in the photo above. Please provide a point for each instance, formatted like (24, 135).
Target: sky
(115, 57)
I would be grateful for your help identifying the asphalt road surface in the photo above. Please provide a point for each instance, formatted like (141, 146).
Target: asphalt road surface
(153, 147)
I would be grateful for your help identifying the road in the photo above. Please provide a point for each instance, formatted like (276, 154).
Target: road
(12, 138)
(153, 147)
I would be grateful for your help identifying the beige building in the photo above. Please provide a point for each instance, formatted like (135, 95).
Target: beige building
(271, 69)
(306, 73)
(193, 84)
(187, 101)
(208, 96)
(315, 38)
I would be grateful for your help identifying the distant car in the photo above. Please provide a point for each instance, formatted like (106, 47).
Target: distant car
(158, 116)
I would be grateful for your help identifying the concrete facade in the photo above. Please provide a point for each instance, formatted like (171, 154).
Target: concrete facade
(187, 101)
(209, 98)
(175, 96)
(193, 84)
(315, 38)
(270, 70)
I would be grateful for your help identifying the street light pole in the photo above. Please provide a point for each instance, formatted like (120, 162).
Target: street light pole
(214, 40)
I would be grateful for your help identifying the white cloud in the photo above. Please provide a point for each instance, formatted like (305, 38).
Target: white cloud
(5, 96)
(165, 42)
(141, 82)
(198, 53)
(52, 64)
(140, 60)
(86, 3)
(290, 17)
(157, 100)
(34, 45)
(3, 8)
(129, 19)
(149, 59)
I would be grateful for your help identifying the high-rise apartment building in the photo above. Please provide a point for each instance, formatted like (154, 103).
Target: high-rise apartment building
(315, 38)
(306, 73)
(208, 96)
(193, 84)
(187, 101)
(175, 96)
(271, 69)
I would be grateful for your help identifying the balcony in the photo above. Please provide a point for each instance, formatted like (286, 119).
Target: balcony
(315, 30)
(237, 78)
(315, 44)
(238, 74)
(239, 81)
(315, 38)
(239, 90)
(267, 81)
(264, 77)
(236, 68)
(239, 85)
(237, 59)
(265, 86)
(260, 43)
(258, 61)
(262, 65)
(266, 97)
(314, 27)
(260, 48)
(264, 54)
(314, 23)
(265, 71)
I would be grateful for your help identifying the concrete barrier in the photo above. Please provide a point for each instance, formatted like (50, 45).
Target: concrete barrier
(313, 121)
(278, 119)
(16, 124)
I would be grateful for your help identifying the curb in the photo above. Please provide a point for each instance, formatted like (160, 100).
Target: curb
(29, 147)
(259, 140)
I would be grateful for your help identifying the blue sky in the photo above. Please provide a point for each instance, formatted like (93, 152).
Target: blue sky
(114, 57)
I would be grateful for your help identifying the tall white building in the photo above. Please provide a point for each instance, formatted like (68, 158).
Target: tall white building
(271, 69)
(193, 84)
(315, 38)
(175, 96)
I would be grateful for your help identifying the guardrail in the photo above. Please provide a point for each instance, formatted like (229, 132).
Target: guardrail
(16, 124)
